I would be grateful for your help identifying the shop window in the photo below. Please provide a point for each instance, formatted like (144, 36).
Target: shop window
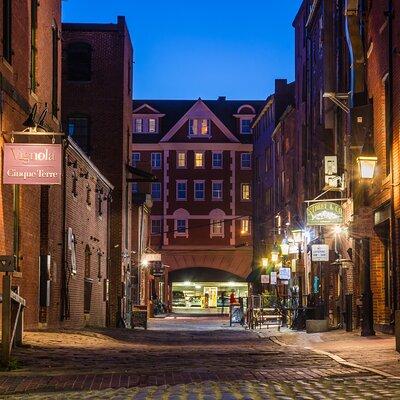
(79, 62)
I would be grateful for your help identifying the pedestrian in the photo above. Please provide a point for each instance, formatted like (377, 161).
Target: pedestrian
(232, 298)
(223, 297)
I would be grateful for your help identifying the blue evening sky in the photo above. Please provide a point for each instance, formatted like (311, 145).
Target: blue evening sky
(209, 48)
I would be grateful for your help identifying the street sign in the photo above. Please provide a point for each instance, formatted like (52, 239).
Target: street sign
(320, 252)
(32, 164)
(7, 263)
(264, 278)
(324, 213)
(284, 273)
(149, 257)
(273, 278)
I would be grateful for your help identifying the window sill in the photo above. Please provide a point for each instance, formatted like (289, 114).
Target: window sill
(199, 136)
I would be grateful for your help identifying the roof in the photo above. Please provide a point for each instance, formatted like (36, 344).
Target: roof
(175, 109)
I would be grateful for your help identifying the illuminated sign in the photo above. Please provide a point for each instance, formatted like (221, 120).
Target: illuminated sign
(32, 164)
(319, 252)
(324, 213)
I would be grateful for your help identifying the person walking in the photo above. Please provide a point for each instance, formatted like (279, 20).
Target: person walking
(232, 298)
(223, 297)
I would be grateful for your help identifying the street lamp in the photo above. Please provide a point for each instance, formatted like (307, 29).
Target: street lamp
(367, 160)
(275, 254)
(264, 262)
(285, 247)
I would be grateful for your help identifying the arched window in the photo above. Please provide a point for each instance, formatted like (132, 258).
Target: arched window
(79, 62)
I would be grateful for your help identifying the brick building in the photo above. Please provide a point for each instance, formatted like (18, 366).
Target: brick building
(97, 114)
(30, 58)
(200, 152)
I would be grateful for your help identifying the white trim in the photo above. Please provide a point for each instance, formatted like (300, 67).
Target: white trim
(151, 226)
(176, 189)
(181, 214)
(248, 232)
(204, 190)
(199, 110)
(203, 159)
(241, 161)
(241, 191)
(151, 160)
(240, 125)
(151, 191)
(212, 159)
(212, 226)
(245, 147)
(177, 158)
(248, 106)
(222, 190)
(145, 105)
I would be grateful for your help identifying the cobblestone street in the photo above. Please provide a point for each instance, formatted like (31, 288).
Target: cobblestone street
(190, 358)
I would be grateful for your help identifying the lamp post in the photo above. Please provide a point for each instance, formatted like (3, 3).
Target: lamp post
(367, 162)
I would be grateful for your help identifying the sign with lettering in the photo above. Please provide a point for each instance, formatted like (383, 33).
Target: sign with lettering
(264, 278)
(32, 164)
(284, 273)
(273, 278)
(320, 252)
(324, 213)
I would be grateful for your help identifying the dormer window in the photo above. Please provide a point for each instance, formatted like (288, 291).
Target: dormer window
(199, 127)
(146, 125)
(245, 126)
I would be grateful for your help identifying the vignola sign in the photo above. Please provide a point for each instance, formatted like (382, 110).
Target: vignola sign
(32, 164)
(324, 213)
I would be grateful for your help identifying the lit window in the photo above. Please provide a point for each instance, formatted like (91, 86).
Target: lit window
(245, 126)
(181, 190)
(245, 160)
(199, 159)
(245, 226)
(152, 125)
(199, 127)
(156, 160)
(217, 160)
(181, 226)
(217, 228)
(138, 125)
(199, 190)
(217, 190)
(156, 226)
(181, 157)
(156, 190)
(135, 159)
(245, 191)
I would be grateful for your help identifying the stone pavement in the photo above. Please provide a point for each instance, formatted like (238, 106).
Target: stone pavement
(181, 358)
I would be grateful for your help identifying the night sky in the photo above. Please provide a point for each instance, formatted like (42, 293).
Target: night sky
(188, 49)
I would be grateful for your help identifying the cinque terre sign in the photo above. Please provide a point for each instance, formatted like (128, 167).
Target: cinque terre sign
(324, 213)
(32, 164)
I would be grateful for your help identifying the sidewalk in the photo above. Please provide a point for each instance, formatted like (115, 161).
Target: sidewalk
(376, 352)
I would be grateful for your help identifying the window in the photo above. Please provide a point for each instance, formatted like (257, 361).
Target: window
(199, 159)
(245, 191)
(199, 190)
(181, 159)
(268, 159)
(152, 125)
(245, 126)
(74, 184)
(181, 190)
(78, 129)
(217, 190)
(87, 294)
(88, 196)
(7, 31)
(156, 190)
(138, 125)
(245, 160)
(32, 75)
(217, 228)
(199, 127)
(181, 227)
(79, 62)
(135, 159)
(156, 160)
(156, 226)
(54, 92)
(99, 198)
(135, 187)
(245, 226)
(217, 160)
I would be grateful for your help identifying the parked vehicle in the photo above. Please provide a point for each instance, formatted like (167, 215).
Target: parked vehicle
(178, 299)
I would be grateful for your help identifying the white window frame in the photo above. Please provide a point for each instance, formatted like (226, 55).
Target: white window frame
(241, 191)
(222, 190)
(214, 224)
(194, 190)
(222, 160)
(181, 234)
(241, 125)
(155, 125)
(177, 159)
(151, 191)
(203, 159)
(135, 153)
(243, 222)
(198, 134)
(141, 125)
(177, 192)
(241, 160)
(153, 233)
(153, 157)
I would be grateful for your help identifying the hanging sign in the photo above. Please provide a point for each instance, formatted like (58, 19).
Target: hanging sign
(284, 273)
(32, 164)
(320, 252)
(149, 257)
(324, 213)
(157, 268)
(273, 278)
(264, 278)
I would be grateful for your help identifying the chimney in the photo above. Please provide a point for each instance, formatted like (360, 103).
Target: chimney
(221, 98)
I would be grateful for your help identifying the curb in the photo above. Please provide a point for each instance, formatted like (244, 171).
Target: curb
(338, 359)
